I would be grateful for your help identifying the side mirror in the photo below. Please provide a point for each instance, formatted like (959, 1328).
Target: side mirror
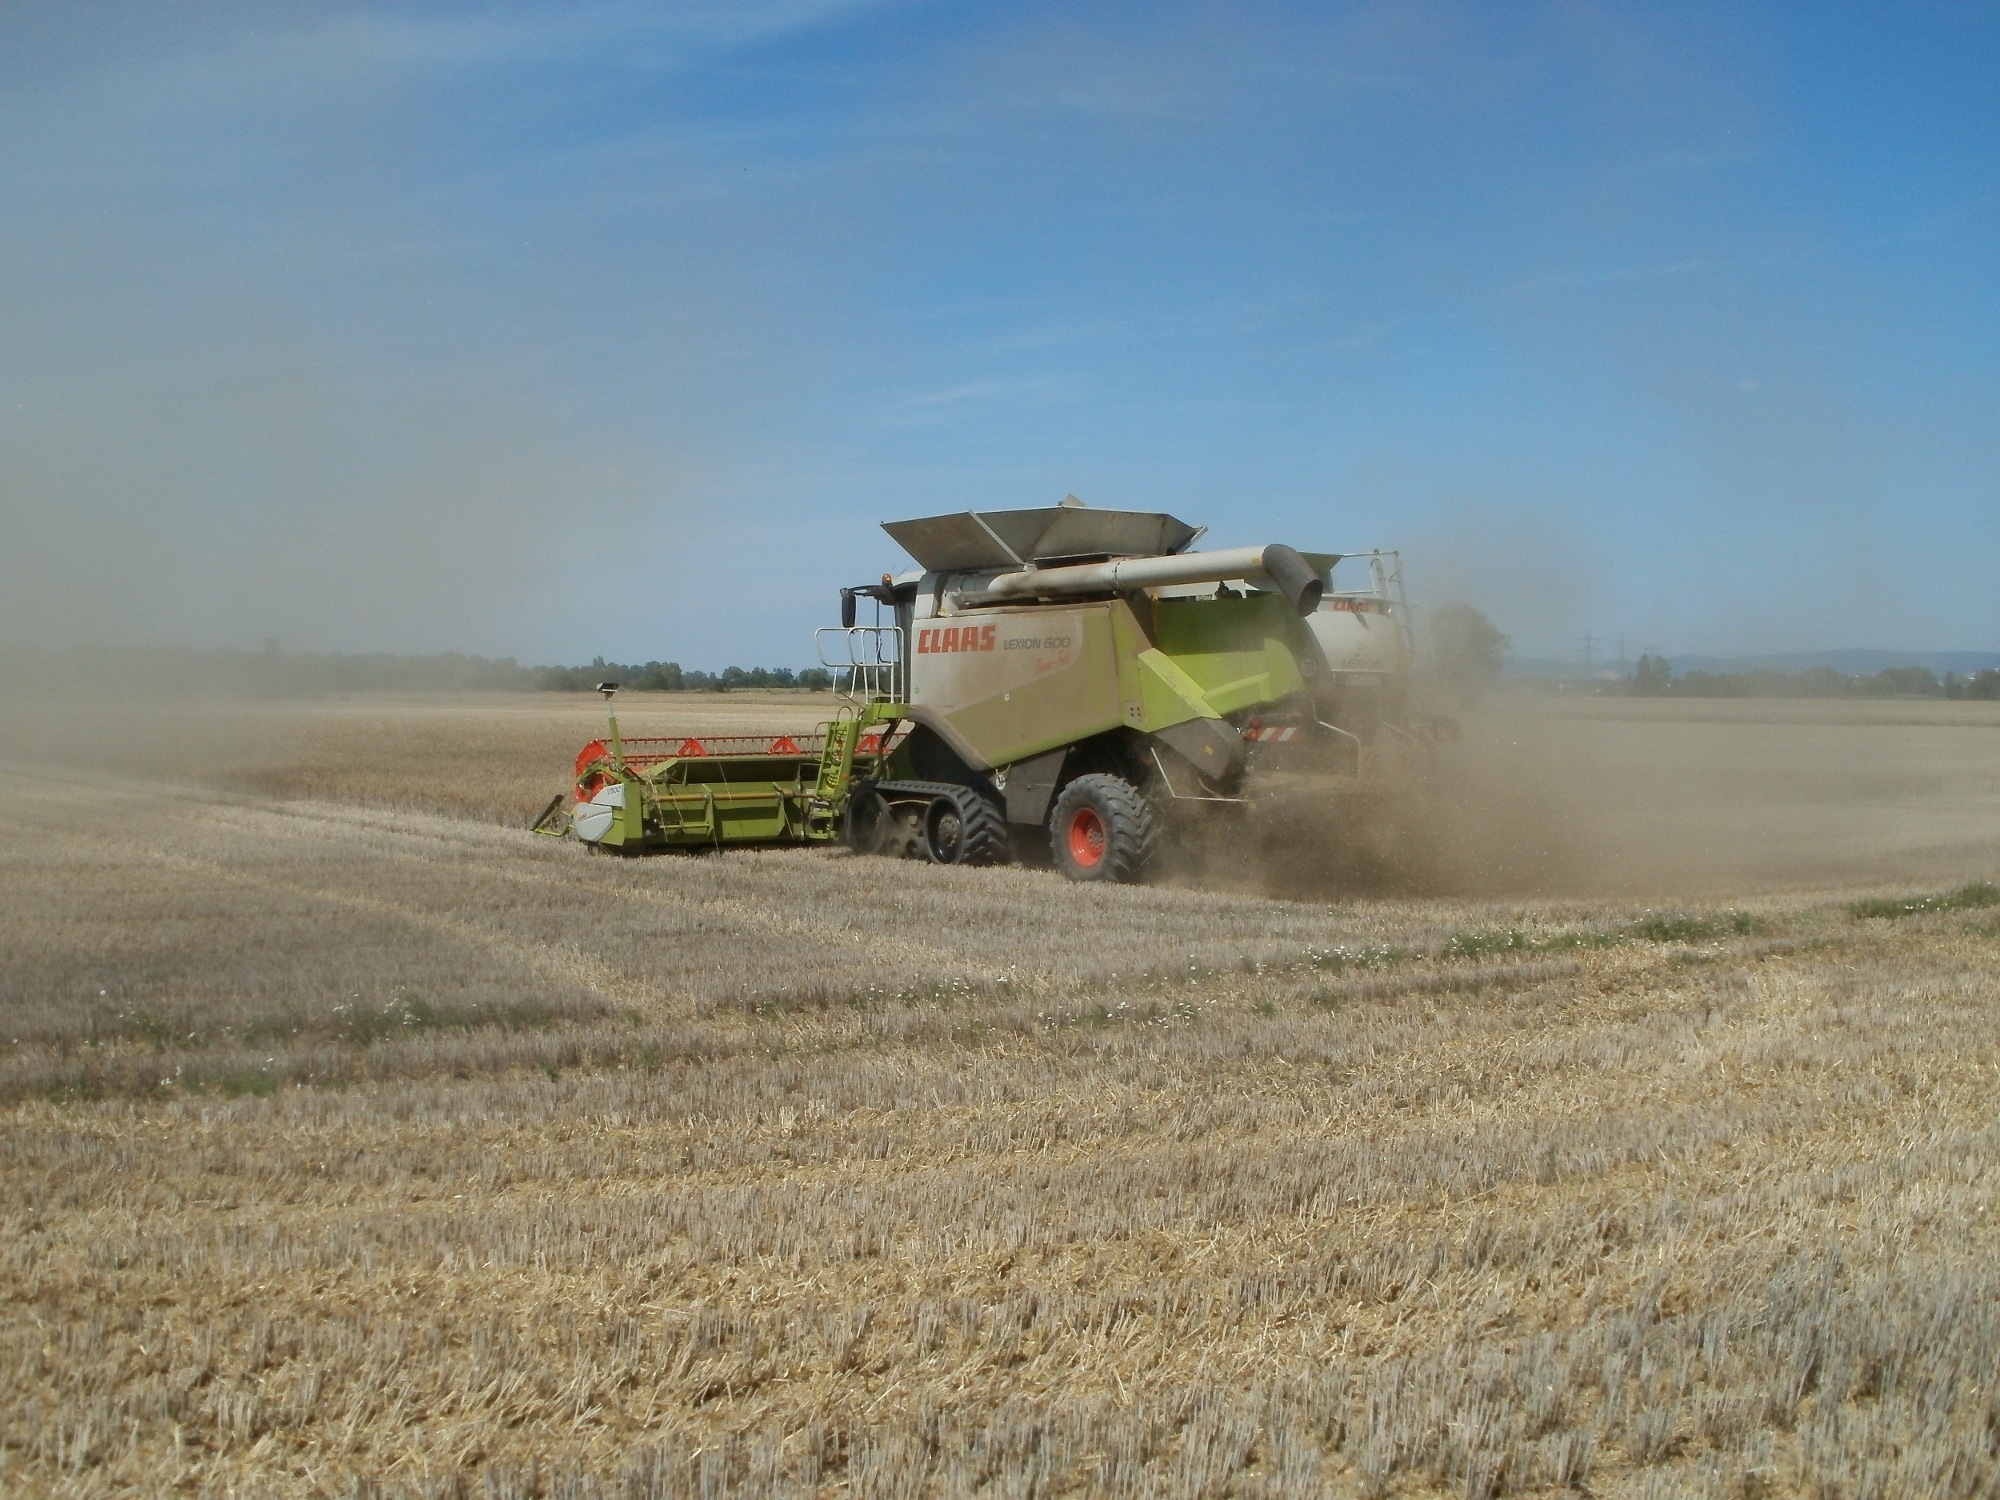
(847, 609)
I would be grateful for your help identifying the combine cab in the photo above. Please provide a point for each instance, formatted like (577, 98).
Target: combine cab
(1065, 683)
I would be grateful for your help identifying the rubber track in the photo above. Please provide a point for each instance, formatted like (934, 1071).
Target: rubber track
(985, 825)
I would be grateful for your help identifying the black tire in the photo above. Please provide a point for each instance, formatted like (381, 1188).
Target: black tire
(963, 828)
(1101, 828)
(865, 826)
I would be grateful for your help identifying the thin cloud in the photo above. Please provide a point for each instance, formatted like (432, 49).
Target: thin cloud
(1038, 388)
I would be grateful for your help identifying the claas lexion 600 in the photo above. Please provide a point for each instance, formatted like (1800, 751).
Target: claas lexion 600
(1053, 684)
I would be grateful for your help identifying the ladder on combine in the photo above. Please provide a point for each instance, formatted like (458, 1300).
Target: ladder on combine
(836, 774)
(867, 662)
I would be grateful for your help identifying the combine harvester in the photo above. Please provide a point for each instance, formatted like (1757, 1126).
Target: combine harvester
(1067, 682)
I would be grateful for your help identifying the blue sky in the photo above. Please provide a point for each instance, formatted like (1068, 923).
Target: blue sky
(576, 329)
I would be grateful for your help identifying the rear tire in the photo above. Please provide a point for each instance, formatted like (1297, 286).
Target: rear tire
(963, 828)
(1102, 829)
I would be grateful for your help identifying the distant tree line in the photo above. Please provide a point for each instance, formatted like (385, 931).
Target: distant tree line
(168, 670)
(672, 677)
(1654, 678)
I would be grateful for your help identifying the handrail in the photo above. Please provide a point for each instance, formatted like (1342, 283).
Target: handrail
(867, 662)
(1179, 796)
(1360, 750)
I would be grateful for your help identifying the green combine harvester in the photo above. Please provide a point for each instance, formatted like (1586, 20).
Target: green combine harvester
(1052, 684)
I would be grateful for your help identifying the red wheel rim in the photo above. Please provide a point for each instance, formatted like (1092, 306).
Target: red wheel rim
(1086, 838)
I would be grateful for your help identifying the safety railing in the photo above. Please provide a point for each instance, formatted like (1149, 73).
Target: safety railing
(866, 661)
(1386, 592)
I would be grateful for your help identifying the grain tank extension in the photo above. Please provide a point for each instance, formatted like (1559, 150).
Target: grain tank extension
(1062, 684)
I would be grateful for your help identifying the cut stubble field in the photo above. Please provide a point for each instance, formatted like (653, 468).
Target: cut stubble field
(1641, 1141)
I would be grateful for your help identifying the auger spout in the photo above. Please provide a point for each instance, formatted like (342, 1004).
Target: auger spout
(1276, 563)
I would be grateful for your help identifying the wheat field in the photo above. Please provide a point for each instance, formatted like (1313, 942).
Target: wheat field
(358, 1142)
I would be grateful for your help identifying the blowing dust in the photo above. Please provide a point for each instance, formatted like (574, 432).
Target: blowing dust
(1631, 798)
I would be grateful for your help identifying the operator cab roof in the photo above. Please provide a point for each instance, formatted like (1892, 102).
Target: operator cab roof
(972, 540)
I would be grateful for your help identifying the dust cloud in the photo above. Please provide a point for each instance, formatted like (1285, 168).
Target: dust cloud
(1550, 797)
(1527, 564)
(186, 739)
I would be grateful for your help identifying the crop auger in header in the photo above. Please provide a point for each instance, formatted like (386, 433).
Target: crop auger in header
(1067, 685)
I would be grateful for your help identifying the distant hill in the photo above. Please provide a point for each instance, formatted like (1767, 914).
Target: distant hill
(1851, 662)
(1854, 662)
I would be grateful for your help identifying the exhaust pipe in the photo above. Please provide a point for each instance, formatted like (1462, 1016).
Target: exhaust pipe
(1277, 564)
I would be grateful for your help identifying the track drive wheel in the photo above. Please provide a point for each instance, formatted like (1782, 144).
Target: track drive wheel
(866, 825)
(963, 828)
(1102, 829)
